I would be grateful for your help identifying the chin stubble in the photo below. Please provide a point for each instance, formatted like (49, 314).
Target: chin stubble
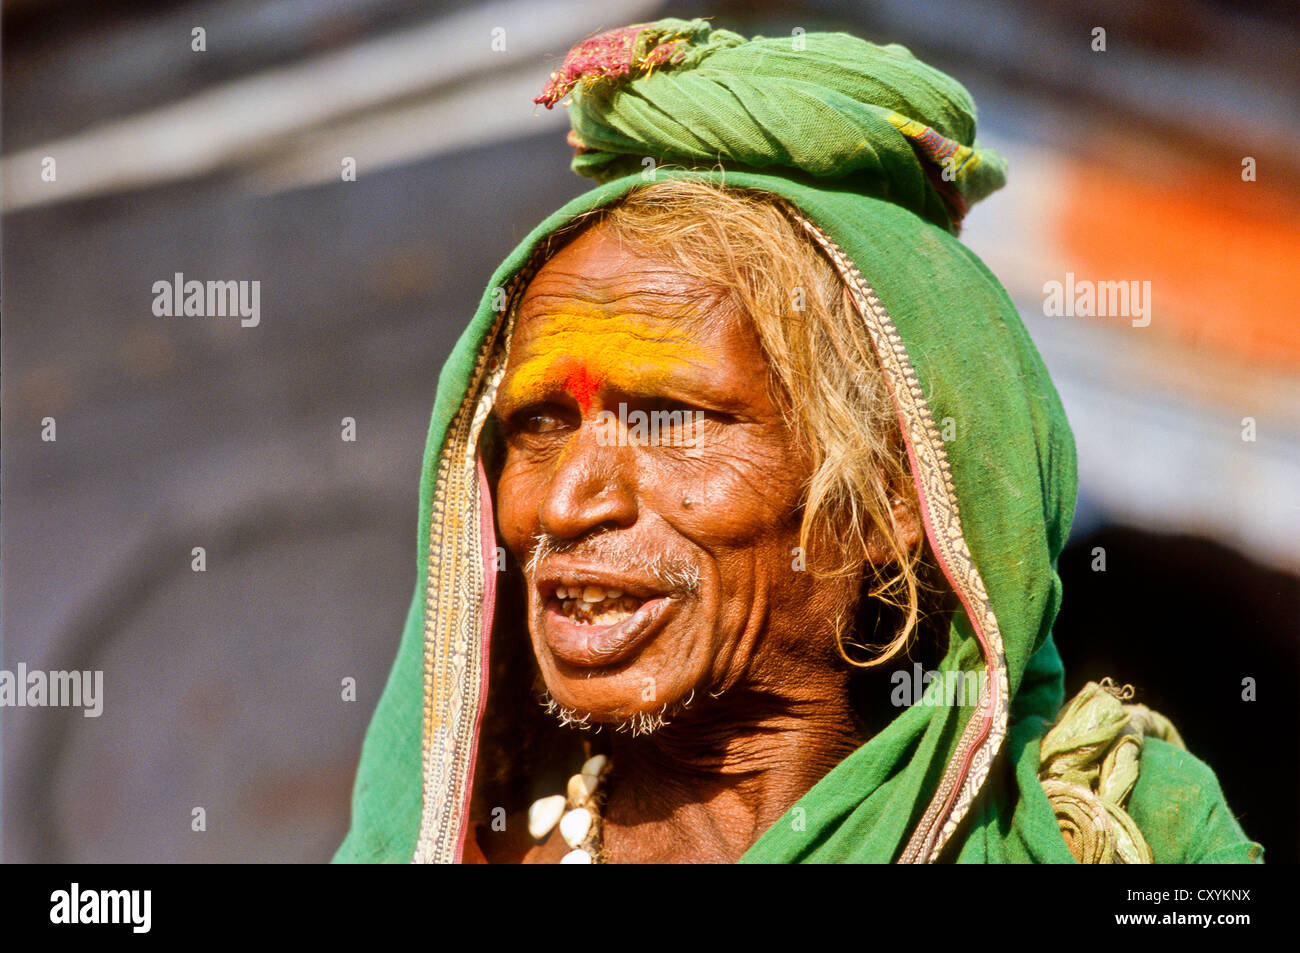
(640, 723)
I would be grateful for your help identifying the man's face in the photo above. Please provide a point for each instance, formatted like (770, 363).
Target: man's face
(666, 562)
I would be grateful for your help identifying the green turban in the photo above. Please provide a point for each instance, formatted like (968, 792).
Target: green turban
(827, 106)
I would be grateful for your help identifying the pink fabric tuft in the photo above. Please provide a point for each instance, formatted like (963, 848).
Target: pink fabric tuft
(610, 56)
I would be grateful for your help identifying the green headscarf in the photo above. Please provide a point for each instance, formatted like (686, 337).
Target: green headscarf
(875, 154)
(826, 106)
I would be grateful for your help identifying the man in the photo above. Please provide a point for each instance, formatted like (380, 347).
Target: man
(729, 436)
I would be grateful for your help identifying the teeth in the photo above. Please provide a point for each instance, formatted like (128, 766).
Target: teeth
(605, 611)
(587, 593)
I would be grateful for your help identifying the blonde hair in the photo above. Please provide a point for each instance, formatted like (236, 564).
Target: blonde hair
(824, 374)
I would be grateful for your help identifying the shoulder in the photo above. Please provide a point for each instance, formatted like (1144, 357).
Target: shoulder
(1181, 811)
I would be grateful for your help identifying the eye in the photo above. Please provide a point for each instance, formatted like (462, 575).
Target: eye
(672, 424)
(539, 419)
(694, 414)
(540, 423)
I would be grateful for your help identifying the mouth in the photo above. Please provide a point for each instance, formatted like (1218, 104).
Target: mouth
(589, 623)
(594, 605)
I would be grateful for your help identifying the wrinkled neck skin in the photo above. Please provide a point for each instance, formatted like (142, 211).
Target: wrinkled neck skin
(705, 787)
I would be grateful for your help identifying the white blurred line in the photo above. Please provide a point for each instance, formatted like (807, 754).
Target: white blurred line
(1160, 463)
(492, 110)
(247, 118)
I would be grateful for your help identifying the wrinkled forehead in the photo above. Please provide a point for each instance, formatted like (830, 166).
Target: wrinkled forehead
(601, 308)
(599, 276)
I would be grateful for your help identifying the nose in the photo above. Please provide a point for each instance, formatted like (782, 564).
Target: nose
(593, 486)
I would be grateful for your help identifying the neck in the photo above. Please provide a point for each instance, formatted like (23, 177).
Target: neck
(705, 787)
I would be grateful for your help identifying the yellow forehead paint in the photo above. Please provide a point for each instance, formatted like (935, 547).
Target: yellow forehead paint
(581, 351)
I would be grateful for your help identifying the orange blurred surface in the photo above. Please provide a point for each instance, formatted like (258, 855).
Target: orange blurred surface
(1222, 255)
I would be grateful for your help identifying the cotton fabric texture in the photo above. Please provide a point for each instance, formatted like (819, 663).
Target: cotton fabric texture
(856, 139)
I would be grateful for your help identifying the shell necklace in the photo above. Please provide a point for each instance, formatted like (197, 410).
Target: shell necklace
(577, 813)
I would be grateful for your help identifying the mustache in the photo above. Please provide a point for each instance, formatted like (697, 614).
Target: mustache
(675, 575)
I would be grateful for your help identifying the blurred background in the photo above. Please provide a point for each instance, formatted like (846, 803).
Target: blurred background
(223, 687)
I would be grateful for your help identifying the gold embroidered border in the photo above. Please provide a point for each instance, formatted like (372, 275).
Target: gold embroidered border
(454, 593)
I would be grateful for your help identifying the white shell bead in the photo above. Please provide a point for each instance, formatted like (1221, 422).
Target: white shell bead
(581, 787)
(575, 826)
(576, 857)
(594, 765)
(543, 814)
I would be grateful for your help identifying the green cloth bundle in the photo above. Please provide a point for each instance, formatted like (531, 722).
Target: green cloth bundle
(1089, 765)
(823, 105)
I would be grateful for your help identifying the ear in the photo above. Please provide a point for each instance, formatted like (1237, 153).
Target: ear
(906, 516)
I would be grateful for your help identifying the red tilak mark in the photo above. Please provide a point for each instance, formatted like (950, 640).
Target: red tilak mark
(582, 385)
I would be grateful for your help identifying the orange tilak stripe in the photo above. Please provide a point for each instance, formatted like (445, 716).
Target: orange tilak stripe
(582, 352)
